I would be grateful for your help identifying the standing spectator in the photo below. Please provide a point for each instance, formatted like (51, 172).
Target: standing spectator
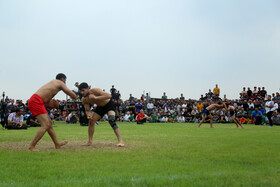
(131, 98)
(147, 97)
(249, 92)
(164, 97)
(275, 106)
(210, 93)
(182, 97)
(113, 91)
(268, 108)
(244, 93)
(263, 93)
(255, 92)
(225, 97)
(75, 89)
(118, 96)
(216, 91)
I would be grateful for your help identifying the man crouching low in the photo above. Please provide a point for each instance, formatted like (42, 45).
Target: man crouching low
(105, 105)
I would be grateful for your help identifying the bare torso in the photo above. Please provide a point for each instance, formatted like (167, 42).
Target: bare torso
(95, 92)
(231, 108)
(212, 107)
(49, 90)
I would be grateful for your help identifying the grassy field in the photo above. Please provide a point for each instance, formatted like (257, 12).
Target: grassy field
(154, 155)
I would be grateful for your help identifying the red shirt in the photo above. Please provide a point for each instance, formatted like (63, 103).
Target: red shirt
(140, 116)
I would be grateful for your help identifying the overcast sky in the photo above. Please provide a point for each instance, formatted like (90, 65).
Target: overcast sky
(156, 46)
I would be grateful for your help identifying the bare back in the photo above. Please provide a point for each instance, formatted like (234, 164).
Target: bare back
(101, 98)
(49, 90)
(213, 106)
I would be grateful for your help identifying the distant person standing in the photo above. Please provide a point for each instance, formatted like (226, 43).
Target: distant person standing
(164, 97)
(269, 109)
(113, 91)
(147, 97)
(182, 97)
(249, 92)
(244, 93)
(216, 91)
(263, 93)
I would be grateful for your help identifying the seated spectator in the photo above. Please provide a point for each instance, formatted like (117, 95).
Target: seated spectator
(141, 117)
(257, 116)
(15, 120)
(251, 105)
(72, 118)
(32, 121)
(126, 116)
(276, 118)
(164, 119)
(243, 120)
(181, 119)
(155, 118)
(131, 118)
(277, 97)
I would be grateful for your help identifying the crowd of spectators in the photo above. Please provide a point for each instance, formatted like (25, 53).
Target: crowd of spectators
(250, 109)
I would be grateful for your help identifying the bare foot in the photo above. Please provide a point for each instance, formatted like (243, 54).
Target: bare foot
(87, 144)
(61, 144)
(121, 144)
(33, 149)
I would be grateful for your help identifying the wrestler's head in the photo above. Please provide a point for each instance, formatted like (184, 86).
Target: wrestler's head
(84, 89)
(61, 77)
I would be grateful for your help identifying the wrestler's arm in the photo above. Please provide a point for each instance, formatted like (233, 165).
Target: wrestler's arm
(225, 106)
(89, 113)
(68, 91)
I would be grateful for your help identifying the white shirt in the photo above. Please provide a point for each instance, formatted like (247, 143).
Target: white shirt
(183, 107)
(75, 88)
(267, 105)
(150, 105)
(251, 105)
(164, 119)
(181, 119)
(275, 107)
(126, 116)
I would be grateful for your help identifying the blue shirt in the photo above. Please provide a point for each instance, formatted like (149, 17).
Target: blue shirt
(254, 114)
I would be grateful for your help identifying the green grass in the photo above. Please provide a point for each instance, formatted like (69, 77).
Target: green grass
(155, 155)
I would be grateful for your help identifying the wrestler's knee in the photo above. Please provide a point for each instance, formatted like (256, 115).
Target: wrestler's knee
(112, 121)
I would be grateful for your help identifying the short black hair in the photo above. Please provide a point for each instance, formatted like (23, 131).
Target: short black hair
(83, 85)
(60, 76)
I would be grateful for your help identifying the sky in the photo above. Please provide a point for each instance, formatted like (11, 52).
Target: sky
(147, 46)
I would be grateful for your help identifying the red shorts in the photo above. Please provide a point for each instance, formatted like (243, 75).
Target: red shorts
(36, 105)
